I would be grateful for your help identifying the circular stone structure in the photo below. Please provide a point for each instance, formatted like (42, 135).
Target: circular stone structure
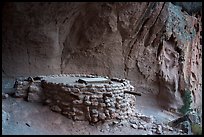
(89, 97)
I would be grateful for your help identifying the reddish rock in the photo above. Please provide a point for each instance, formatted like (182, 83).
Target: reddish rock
(154, 44)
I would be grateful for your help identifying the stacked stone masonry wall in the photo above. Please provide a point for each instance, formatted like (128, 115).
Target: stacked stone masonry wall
(90, 102)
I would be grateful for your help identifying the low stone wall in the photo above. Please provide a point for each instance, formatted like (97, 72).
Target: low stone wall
(92, 102)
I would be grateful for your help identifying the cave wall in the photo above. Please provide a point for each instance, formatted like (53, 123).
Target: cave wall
(156, 45)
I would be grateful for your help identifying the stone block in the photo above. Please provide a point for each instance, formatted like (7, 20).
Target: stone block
(77, 102)
(55, 108)
(79, 117)
(102, 104)
(86, 98)
(94, 103)
(102, 116)
(94, 111)
(65, 112)
(94, 119)
(34, 88)
(87, 103)
(65, 103)
(20, 93)
(75, 90)
(108, 94)
(72, 113)
(87, 109)
(107, 101)
(77, 111)
(34, 97)
(118, 99)
(94, 115)
(108, 104)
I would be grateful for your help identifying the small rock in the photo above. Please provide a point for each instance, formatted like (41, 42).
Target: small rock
(146, 119)
(115, 122)
(112, 110)
(48, 101)
(65, 103)
(108, 104)
(114, 115)
(180, 130)
(149, 132)
(170, 128)
(159, 129)
(77, 102)
(94, 115)
(102, 104)
(154, 126)
(86, 98)
(94, 103)
(185, 127)
(167, 128)
(34, 88)
(137, 114)
(108, 94)
(134, 126)
(56, 108)
(77, 111)
(94, 119)
(79, 118)
(34, 97)
(143, 122)
(125, 116)
(140, 127)
(120, 117)
(132, 121)
(20, 93)
(87, 102)
(107, 101)
(94, 111)
(102, 116)
(153, 130)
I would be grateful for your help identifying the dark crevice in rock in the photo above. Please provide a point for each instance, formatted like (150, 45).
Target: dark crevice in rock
(159, 50)
(61, 64)
(159, 37)
(65, 20)
(147, 40)
(140, 24)
(139, 27)
(141, 21)
(142, 28)
(138, 68)
(29, 63)
(120, 33)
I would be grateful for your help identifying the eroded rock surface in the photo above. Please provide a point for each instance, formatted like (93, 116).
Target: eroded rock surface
(154, 44)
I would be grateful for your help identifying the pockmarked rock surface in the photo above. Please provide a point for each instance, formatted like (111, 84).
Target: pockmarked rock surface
(156, 45)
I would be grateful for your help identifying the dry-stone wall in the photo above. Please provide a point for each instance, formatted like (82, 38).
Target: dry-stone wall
(92, 102)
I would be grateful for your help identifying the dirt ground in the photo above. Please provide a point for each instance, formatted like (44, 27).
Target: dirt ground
(26, 118)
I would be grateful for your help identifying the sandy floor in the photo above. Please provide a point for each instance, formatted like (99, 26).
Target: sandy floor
(35, 119)
(26, 118)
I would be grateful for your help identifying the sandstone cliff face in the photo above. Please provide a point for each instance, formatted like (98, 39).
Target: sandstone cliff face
(156, 45)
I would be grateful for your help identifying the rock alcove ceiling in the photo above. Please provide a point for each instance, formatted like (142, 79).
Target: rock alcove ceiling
(157, 46)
